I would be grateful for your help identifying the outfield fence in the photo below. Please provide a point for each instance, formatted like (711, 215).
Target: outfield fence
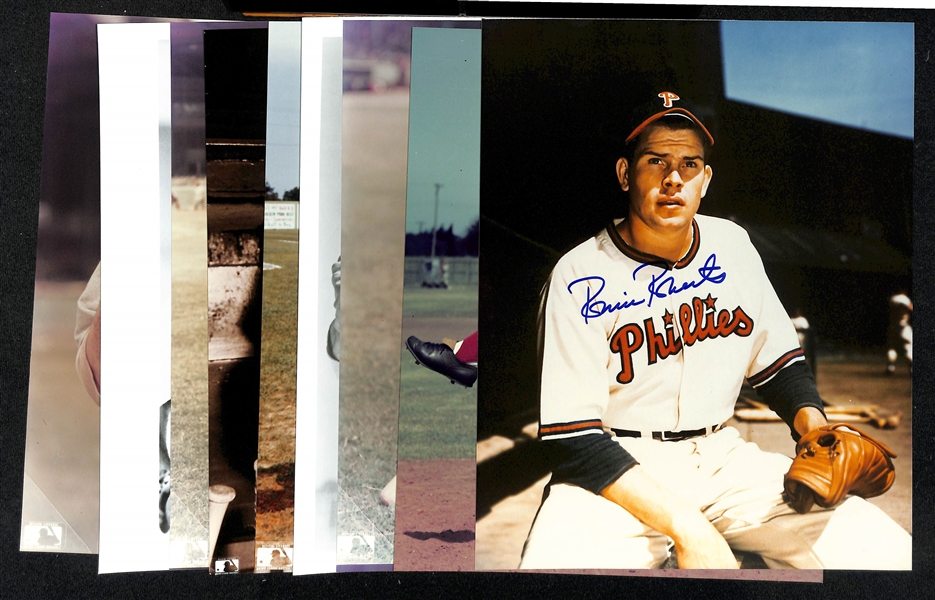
(462, 270)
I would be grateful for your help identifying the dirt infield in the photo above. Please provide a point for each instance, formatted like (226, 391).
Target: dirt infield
(435, 515)
(275, 503)
(435, 500)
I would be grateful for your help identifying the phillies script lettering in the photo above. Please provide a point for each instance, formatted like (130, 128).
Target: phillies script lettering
(699, 321)
(661, 285)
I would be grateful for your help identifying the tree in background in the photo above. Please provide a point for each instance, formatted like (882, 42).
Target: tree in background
(271, 194)
(447, 243)
(292, 194)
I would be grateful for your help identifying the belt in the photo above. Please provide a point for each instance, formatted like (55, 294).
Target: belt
(668, 436)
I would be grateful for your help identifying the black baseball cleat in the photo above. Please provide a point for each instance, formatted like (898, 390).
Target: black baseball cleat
(441, 359)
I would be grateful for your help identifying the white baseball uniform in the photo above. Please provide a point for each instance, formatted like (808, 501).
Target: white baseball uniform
(88, 304)
(651, 349)
(899, 332)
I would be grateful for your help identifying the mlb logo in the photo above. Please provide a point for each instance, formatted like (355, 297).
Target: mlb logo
(43, 536)
(227, 565)
(274, 558)
(355, 549)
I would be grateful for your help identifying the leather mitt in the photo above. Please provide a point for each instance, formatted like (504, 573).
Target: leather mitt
(833, 461)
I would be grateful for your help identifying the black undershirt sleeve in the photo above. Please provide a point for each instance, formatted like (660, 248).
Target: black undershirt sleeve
(791, 389)
(592, 462)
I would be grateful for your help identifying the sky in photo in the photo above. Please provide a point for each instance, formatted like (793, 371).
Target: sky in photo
(855, 74)
(444, 129)
(282, 111)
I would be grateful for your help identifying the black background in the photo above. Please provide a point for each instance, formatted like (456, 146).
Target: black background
(24, 38)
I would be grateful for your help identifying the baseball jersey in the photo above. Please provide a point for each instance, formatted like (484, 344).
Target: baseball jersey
(634, 342)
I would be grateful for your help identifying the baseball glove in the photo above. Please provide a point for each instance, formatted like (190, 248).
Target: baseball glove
(833, 461)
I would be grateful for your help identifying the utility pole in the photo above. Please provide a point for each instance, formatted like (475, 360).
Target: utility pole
(438, 186)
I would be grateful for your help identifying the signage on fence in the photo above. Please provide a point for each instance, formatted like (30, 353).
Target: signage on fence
(281, 215)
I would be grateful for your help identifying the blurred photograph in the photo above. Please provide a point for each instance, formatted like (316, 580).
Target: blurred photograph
(275, 499)
(236, 70)
(375, 106)
(434, 493)
(62, 468)
(189, 502)
(376, 111)
(319, 336)
(134, 66)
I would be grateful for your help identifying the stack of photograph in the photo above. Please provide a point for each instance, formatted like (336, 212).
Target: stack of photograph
(688, 246)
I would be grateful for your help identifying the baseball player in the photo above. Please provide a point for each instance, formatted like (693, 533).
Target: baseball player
(647, 332)
(88, 366)
(899, 331)
(88, 336)
(333, 342)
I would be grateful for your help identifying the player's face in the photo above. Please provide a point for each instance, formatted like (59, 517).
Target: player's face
(667, 180)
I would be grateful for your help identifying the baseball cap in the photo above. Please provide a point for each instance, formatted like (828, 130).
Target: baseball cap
(664, 104)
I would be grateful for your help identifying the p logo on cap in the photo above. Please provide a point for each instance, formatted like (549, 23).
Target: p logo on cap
(668, 98)
(650, 112)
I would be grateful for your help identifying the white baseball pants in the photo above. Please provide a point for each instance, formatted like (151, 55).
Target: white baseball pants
(738, 487)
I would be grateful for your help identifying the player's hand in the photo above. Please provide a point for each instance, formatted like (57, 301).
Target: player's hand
(336, 275)
(336, 282)
(704, 549)
(807, 419)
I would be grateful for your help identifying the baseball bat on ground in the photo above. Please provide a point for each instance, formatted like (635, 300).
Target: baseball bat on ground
(388, 493)
(219, 496)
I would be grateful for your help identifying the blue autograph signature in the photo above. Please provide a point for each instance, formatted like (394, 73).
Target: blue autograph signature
(592, 307)
(661, 285)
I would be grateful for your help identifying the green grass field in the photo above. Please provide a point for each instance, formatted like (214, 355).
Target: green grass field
(190, 364)
(437, 420)
(276, 443)
(457, 301)
(278, 347)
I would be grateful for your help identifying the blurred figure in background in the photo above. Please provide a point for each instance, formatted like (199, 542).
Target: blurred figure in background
(899, 333)
(806, 340)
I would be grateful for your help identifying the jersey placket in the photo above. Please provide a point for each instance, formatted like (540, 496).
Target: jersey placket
(672, 307)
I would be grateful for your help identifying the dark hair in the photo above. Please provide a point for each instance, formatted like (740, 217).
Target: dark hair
(675, 124)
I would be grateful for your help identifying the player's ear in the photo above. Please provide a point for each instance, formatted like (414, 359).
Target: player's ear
(623, 174)
(708, 173)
